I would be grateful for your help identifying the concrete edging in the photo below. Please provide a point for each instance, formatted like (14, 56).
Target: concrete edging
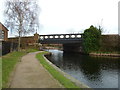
(75, 81)
(102, 54)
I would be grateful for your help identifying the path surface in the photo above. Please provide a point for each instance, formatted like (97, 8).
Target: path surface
(29, 73)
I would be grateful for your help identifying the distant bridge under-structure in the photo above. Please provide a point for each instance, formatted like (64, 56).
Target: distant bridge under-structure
(71, 42)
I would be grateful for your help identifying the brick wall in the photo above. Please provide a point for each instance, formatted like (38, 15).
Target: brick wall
(30, 41)
(110, 43)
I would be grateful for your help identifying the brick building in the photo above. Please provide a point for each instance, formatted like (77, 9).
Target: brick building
(5, 45)
(25, 41)
(3, 33)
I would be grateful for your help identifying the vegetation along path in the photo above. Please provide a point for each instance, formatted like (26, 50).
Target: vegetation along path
(29, 73)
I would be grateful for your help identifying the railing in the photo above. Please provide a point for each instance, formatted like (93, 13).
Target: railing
(60, 36)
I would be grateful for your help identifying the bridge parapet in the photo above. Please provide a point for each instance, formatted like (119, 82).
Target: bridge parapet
(60, 36)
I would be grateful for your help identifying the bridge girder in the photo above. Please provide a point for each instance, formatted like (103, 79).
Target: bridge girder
(60, 38)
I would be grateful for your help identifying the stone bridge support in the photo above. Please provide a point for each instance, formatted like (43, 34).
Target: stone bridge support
(74, 47)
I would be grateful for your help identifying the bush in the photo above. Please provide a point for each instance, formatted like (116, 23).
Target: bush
(91, 39)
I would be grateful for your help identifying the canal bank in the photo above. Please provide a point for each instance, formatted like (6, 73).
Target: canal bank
(78, 83)
(96, 72)
(105, 54)
(66, 80)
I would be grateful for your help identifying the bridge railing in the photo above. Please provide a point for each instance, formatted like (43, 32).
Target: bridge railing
(60, 36)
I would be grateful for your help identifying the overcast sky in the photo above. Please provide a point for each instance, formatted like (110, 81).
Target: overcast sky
(74, 16)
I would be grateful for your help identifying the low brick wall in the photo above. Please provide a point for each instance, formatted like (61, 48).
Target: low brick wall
(103, 54)
(110, 43)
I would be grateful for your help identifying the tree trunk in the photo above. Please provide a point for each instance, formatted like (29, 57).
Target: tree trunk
(19, 41)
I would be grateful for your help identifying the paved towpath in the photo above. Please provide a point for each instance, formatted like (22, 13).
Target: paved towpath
(29, 73)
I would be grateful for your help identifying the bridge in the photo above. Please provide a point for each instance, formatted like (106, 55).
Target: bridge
(71, 42)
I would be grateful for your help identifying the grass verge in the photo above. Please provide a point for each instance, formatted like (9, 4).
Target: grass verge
(8, 63)
(0, 72)
(56, 74)
(31, 50)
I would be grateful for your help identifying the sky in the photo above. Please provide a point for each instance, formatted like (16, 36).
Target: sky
(74, 16)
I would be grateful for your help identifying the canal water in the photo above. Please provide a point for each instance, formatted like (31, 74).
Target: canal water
(96, 72)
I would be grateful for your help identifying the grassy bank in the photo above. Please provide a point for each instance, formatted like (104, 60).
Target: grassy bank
(8, 63)
(0, 72)
(56, 74)
(30, 50)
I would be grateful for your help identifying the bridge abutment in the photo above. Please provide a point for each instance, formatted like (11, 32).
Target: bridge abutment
(74, 47)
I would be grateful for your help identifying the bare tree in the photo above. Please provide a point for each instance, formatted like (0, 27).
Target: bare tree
(22, 17)
(71, 31)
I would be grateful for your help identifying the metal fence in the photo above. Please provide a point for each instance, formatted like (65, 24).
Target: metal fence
(6, 47)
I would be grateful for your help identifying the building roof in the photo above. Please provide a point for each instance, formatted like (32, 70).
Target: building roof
(4, 26)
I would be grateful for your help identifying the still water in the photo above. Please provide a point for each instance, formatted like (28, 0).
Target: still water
(96, 72)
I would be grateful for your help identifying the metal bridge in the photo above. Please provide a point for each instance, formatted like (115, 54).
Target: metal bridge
(60, 38)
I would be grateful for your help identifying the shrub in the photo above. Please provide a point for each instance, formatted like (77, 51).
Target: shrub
(91, 39)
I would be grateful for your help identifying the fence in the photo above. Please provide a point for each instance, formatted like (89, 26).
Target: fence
(6, 47)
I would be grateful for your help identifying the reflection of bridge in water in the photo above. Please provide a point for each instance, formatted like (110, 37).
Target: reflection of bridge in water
(71, 42)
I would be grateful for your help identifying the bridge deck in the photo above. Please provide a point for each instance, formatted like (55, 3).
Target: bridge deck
(60, 38)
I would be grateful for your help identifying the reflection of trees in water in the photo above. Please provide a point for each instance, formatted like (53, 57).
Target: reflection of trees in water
(91, 67)
(88, 67)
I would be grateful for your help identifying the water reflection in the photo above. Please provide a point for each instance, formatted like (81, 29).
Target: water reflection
(96, 72)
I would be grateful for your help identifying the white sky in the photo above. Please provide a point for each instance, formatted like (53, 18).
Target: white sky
(68, 16)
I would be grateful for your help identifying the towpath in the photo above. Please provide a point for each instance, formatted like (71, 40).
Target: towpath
(29, 73)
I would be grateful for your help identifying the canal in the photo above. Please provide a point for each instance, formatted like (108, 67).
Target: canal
(96, 72)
